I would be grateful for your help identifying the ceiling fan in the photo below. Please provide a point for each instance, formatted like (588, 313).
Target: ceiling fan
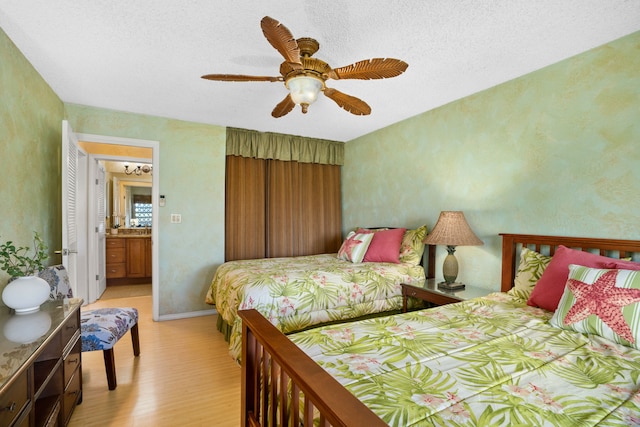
(305, 76)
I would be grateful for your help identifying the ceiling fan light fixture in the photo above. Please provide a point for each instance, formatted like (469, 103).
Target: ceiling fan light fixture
(304, 90)
(304, 76)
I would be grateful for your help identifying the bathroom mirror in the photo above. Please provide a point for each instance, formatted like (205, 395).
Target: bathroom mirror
(132, 199)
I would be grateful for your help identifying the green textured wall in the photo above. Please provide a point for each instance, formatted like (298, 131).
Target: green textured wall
(554, 152)
(192, 162)
(30, 134)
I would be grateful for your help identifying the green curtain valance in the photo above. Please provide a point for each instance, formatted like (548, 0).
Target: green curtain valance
(267, 145)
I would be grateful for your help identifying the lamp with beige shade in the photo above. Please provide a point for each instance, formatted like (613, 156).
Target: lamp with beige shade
(452, 230)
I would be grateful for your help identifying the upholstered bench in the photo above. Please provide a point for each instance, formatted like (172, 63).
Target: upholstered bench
(101, 328)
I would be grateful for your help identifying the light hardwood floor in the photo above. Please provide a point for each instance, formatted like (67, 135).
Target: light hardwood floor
(183, 376)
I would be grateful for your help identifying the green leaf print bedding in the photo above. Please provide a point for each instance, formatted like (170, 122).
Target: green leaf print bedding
(295, 293)
(491, 361)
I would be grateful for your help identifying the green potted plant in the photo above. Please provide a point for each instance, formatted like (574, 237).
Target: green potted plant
(26, 291)
(16, 261)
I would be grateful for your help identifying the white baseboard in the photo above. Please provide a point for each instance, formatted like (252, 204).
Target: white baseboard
(187, 315)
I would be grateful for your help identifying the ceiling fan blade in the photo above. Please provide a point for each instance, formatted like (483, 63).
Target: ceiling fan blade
(284, 107)
(350, 103)
(281, 39)
(376, 68)
(241, 78)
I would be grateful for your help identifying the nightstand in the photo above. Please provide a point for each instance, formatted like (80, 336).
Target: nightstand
(428, 291)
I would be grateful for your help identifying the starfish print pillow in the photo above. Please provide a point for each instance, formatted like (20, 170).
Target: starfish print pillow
(602, 302)
(355, 246)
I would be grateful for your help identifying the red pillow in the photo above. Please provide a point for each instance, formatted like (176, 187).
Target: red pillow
(620, 264)
(548, 291)
(385, 246)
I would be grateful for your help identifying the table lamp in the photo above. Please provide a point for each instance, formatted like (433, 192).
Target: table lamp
(451, 230)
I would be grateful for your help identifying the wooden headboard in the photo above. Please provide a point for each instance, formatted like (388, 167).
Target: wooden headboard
(513, 243)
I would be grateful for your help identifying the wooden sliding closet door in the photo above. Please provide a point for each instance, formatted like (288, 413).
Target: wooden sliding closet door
(281, 208)
(320, 211)
(245, 217)
(304, 209)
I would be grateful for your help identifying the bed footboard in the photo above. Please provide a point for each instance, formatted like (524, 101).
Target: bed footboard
(272, 364)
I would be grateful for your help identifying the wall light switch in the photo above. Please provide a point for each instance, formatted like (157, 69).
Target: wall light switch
(176, 218)
(162, 200)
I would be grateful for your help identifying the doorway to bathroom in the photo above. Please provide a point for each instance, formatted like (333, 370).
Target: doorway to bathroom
(126, 173)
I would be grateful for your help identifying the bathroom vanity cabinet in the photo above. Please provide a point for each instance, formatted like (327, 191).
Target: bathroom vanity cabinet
(128, 259)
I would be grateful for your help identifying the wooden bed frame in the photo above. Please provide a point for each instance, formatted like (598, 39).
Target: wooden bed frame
(272, 363)
(512, 243)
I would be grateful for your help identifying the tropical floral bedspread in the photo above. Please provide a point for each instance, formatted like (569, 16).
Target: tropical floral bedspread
(491, 361)
(298, 292)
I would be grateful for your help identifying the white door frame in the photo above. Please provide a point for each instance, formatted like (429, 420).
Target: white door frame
(155, 198)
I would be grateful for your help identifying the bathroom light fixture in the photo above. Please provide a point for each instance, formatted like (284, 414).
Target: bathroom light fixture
(452, 230)
(139, 170)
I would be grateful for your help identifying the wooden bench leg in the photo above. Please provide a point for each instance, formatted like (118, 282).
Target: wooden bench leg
(110, 367)
(135, 339)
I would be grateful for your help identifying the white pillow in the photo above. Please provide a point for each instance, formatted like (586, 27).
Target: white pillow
(355, 246)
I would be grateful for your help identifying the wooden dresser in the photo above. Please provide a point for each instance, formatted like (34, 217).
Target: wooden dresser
(40, 365)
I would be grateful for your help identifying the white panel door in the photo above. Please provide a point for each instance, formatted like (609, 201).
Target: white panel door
(100, 230)
(69, 193)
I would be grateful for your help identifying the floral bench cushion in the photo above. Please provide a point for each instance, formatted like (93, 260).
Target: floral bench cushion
(103, 327)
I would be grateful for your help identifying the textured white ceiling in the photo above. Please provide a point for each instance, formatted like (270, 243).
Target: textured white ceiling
(147, 56)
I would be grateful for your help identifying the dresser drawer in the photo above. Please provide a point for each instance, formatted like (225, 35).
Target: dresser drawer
(69, 329)
(115, 243)
(71, 395)
(116, 271)
(71, 362)
(115, 255)
(14, 400)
